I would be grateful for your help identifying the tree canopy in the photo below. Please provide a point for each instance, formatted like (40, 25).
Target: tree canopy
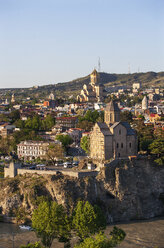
(87, 121)
(66, 140)
(50, 221)
(55, 151)
(30, 245)
(157, 148)
(84, 143)
(102, 241)
(126, 116)
(87, 219)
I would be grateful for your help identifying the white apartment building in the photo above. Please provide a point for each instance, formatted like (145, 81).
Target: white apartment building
(32, 149)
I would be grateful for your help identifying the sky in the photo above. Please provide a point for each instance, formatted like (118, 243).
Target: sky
(51, 41)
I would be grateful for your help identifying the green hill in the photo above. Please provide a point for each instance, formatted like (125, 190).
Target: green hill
(73, 87)
(148, 79)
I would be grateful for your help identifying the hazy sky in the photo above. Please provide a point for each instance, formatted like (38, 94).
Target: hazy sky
(50, 41)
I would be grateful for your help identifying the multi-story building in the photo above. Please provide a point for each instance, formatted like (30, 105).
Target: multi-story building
(6, 129)
(32, 149)
(113, 138)
(66, 122)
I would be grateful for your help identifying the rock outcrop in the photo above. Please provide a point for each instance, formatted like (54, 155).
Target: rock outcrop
(125, 191)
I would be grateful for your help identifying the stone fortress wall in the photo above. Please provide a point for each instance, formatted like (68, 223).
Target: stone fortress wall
(15, 169)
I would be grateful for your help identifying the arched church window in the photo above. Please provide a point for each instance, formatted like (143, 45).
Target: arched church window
(121, 145)
(111, 119)
(117, 145)
(130, 145)
(120, 131)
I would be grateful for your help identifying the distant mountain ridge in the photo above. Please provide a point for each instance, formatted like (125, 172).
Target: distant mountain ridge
(147, 79)
(73, 87)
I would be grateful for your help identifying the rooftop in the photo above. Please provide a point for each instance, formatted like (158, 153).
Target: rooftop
(112, 106)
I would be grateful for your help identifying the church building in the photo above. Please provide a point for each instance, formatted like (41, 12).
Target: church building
(112, 138)
(94, 92)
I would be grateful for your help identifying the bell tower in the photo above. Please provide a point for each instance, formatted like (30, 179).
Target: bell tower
(94, 77)
(112, 113)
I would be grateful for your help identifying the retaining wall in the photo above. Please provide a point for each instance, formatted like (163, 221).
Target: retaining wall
(77, 174)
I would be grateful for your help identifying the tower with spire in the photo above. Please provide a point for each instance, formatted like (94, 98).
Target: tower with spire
(12, 98)
(93, 92)
(113, 138)
(112, 113)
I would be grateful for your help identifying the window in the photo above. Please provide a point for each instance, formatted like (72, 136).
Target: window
(117, 145)
(130, 145)
(120, 131)
(111, 119)
(121, 145)
(119, 155)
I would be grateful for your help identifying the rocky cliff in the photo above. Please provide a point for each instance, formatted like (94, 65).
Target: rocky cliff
(125, 191)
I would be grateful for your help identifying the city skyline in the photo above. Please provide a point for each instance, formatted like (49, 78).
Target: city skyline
(46, 42)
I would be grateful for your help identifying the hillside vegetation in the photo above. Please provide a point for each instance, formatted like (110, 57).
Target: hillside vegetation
(73, 87)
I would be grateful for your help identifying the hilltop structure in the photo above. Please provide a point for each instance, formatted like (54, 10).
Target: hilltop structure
(93, 92)
(12, 98)
(51, 96)
(112, 139)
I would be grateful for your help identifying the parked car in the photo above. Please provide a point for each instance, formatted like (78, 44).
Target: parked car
(32, 167)
(58, 164)
(67, 165)
(76, 163)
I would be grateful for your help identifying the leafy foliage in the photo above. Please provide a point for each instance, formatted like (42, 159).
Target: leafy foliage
(84, 143)
(126, 116)
(101, 241)
(144, 144)
(84, 124)
(157, 148)
(87, 219)
(54, 151)
(50, 221)
(66, 140)
(36, 245)
(87, 121)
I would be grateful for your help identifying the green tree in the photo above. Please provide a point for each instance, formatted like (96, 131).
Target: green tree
(84, 143)
(66, 140)
(50, 221)
(157, 148)
(36, 123)
(126, 116)
(87, 219)
(19, 123)
(101, 241)
(15, 115)
(144, 144)
(36, 245)
(48, 122)
(86, 125)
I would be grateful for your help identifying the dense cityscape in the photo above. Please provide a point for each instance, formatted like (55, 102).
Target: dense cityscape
(81, 124)
(78, 138)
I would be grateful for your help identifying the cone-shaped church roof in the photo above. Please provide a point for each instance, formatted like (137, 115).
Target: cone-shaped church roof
(112, 106)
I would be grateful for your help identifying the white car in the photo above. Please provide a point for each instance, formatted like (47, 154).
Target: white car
(67, 165)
